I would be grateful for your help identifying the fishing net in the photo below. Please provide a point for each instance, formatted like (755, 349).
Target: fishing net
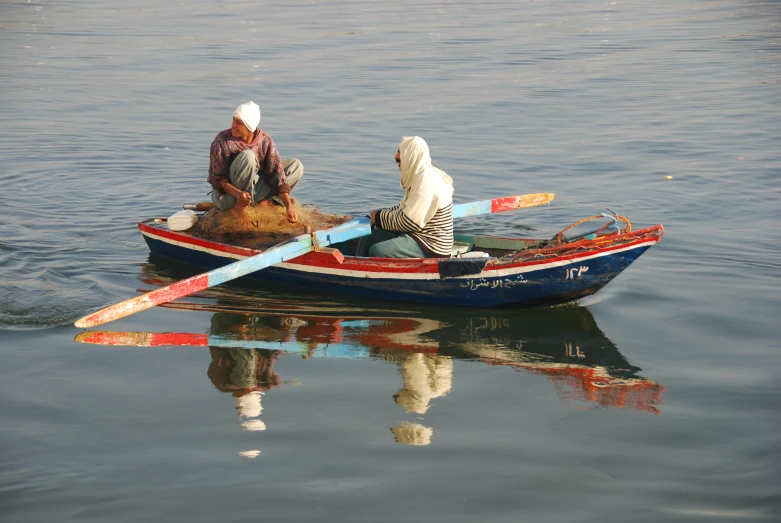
(263, 225)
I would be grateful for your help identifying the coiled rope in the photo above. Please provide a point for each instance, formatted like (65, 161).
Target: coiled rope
(611, 228)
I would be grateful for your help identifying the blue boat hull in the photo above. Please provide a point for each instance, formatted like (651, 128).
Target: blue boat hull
(552, 283)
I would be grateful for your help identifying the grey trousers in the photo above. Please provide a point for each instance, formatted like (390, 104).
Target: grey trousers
(389, 244)
(244, 176)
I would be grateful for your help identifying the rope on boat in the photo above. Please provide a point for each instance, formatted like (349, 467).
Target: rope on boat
(609, 229)
(546, 249)
(560, 244)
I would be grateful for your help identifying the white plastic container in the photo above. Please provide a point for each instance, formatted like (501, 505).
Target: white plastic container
(182, 220)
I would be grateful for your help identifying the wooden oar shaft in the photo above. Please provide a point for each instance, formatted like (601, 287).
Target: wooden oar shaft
(292, 249)
(183, 339)
(144, 339)
(507, 203)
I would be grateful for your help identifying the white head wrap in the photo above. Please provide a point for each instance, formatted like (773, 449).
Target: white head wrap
(427, 189)
(249, 113)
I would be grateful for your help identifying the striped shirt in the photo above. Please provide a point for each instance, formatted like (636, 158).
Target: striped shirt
(435, 238)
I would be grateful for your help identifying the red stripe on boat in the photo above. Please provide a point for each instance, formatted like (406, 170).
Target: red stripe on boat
(192, 240)
(570, 252)
(400, 266)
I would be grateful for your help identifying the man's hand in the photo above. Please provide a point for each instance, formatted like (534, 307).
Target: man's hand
(292, 217)
(243, 198)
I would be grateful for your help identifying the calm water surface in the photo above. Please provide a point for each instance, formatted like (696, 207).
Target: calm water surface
(655, 400)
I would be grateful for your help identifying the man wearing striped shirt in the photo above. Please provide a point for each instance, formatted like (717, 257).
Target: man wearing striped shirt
(421, 226)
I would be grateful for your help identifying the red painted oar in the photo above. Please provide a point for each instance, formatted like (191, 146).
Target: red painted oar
(293, 248)
(356, 347)
(508, 203)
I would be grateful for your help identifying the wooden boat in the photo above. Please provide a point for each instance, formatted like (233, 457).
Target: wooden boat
(485, 271)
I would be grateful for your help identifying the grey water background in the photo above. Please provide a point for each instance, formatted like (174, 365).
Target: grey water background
(107, 113)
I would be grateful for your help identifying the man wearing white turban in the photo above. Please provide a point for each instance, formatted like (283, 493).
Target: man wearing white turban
(421, 226)
(245, 167)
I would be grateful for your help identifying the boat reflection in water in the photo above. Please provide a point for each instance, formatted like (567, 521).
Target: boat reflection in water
(251, 328)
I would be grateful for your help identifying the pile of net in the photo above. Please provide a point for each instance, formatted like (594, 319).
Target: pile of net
(265, 224)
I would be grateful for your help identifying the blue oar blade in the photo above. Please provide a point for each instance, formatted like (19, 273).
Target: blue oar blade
(462, 210)
(349, 230)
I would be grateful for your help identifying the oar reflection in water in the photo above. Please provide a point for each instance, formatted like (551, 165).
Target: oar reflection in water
(564, 344)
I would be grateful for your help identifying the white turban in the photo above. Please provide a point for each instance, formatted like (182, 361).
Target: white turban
(249, 113)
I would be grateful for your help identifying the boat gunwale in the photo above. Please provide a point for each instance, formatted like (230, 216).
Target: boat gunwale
(563, 253)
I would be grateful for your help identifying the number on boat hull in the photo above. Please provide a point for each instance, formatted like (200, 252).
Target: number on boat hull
(574, 273)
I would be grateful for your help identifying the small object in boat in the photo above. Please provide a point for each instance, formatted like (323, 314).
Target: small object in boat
(455, 267)
(182, 220)
(262, 225)
(473, 254)
(200, 206)
(668, 177)
(307, 229)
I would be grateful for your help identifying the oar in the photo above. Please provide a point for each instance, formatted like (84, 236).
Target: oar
(293, 248)
(350, 349)
(461, 210)
(186, 339)
(508, 203)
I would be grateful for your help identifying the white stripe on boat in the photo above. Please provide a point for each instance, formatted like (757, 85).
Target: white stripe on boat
(193, 247)
(497, 273)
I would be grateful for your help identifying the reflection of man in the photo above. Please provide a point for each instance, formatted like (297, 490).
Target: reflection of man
(246, 374)
(408, 433)
(426, 376)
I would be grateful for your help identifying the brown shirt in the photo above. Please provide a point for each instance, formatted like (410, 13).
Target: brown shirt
(225, 148)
